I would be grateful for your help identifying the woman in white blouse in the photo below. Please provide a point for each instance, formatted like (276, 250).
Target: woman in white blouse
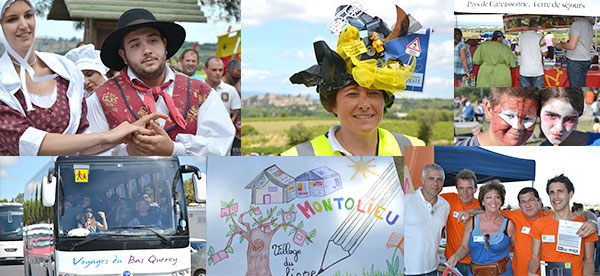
(42, 105)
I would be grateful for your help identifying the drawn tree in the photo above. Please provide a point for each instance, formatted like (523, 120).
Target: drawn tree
(258, 232)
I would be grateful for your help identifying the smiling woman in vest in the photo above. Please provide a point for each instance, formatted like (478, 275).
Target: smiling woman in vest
(358, 92)
(42, 110)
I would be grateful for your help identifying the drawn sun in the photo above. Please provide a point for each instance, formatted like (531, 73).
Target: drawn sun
(362, 167)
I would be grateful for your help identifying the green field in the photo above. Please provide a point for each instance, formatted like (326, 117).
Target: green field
(272, 139)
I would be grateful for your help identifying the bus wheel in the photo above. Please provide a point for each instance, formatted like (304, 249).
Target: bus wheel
(200, 272)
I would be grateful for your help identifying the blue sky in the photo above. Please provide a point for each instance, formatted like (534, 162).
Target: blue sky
(277, 41)
(15, 171)
(200, 32)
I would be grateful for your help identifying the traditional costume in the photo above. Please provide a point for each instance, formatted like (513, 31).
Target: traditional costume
(87, 58)
(26, 118)
(198, 125)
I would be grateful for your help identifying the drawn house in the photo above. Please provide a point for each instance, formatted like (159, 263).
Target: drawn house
(272, 185)
(320, 182)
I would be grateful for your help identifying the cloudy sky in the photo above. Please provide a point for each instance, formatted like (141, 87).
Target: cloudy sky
(277, 40)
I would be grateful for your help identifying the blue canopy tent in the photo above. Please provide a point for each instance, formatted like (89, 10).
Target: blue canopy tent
(486, 164)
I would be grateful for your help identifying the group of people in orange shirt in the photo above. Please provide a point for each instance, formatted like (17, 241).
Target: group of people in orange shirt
(479, 235)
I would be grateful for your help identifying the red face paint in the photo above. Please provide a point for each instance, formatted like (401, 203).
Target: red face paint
(513, 120)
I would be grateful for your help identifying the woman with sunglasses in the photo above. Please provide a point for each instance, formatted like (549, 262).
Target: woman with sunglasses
(487, 236)
(88, 221)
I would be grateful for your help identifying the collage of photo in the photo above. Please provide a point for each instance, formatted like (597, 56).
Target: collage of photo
(136, 139)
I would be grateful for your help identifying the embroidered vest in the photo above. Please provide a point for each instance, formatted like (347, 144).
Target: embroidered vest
(122, 103)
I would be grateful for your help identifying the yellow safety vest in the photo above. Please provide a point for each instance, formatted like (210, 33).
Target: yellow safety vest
(389, 144)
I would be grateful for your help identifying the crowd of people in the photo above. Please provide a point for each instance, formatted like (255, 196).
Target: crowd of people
(480, 235)
(64, 105)
(488, 63)
(513, 113)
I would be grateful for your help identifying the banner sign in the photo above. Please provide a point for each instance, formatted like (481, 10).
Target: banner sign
(554, 7)
(408, 47)
(520, 22)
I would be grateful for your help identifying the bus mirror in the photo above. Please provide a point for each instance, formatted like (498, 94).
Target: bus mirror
(199, 180)
(49, 191)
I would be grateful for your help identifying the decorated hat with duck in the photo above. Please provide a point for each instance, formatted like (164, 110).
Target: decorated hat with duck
(357, 60)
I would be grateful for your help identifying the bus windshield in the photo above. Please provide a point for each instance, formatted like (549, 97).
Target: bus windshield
(11, 223)
(119, 198)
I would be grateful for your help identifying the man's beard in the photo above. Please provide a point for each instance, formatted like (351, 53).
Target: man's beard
(139, 72)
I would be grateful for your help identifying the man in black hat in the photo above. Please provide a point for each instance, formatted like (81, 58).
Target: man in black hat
(198, 123)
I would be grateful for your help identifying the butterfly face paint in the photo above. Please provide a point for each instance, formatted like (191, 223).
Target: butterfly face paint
(513, 120)
(559, 119)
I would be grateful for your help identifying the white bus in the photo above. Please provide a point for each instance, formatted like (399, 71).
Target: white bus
(108, 216)
(11, 232)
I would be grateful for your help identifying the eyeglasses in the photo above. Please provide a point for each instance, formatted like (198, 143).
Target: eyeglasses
(486, 246)
(89, 211)
(528, 201)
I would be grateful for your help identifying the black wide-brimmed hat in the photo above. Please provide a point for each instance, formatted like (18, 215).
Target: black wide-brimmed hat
(132, 20)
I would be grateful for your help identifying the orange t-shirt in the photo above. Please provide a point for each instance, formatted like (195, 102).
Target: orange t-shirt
(522, 251)
(454, 230)
(589, 97)
(548, 226)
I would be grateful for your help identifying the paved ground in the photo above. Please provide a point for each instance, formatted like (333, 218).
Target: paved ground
(11, 269)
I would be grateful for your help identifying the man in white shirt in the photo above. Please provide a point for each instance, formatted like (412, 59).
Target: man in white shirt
(213, 67)
(214, 75)
(532, 48)
(425, 214)
(139, 47)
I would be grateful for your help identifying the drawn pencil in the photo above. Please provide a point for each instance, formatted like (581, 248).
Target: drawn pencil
(357, 225)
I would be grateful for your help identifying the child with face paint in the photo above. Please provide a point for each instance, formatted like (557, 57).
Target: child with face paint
(512, 112)
(560, 112)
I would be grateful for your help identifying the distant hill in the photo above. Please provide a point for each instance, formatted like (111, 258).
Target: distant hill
(58, 46)
(278, 100)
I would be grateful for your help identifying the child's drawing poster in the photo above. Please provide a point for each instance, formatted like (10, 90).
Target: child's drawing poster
(304, 216)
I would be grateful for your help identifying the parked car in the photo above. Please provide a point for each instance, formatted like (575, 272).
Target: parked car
(198, 252)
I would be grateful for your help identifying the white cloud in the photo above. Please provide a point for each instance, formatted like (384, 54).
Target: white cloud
(255, 75)
(6, 161)
(437, 81)
(4, 174)
(299, 54)
(245, 64)
(441, 56)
